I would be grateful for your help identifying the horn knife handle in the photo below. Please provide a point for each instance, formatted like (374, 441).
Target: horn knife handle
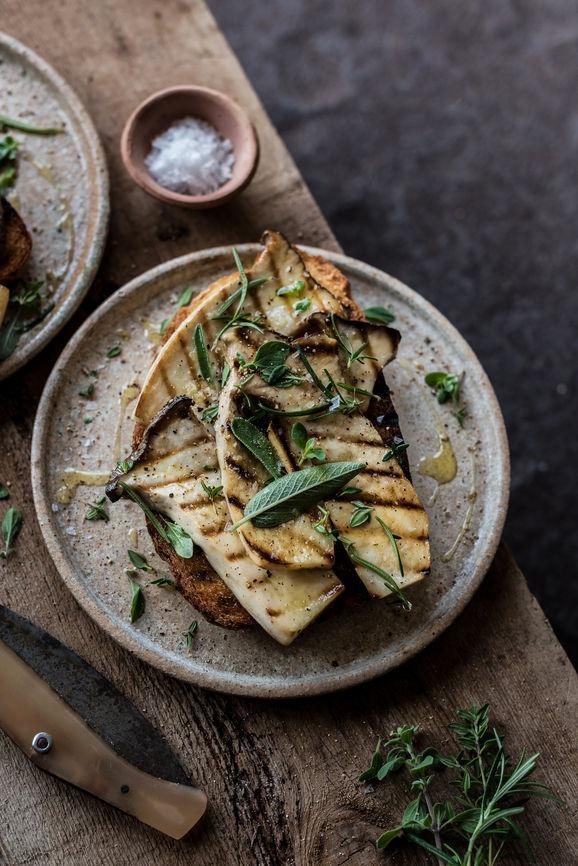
(30, 709)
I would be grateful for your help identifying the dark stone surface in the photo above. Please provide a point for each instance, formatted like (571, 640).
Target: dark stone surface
(441, 141)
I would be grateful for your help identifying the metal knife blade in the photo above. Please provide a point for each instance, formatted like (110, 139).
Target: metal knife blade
(46, 688)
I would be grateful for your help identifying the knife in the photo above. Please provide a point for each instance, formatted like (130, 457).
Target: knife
(70, 721)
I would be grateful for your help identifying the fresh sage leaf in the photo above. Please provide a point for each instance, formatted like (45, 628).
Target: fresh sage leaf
(292, 494)
(137, 600)
(379, 315)
(203, 358)
(258, 444)
(11, 526)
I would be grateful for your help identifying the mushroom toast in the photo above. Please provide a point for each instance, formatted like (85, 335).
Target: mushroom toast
(267, 455)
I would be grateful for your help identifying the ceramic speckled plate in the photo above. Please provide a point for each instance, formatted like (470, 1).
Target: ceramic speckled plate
(61, 190)
(358, 640)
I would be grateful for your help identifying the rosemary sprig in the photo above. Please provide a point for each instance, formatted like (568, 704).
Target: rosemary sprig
(238, 319)
(97, 511)
(387, 578)
(478, 825)
(393, 540)
(203, 359)
(13, 123)
(351, 354)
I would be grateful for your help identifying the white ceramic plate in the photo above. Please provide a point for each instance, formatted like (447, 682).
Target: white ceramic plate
(359, 640)
(61, 191)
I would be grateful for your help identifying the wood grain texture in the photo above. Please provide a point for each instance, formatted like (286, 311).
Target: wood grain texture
(280, 776)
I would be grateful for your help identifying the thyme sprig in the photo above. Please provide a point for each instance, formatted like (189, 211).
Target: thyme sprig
(238, 318)
(97, 511)
(476, 826)
(447, 386)
(351, 354)
(308, 445)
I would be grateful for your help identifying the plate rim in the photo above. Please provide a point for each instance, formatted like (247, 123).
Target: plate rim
(250, 685)
(101, 184)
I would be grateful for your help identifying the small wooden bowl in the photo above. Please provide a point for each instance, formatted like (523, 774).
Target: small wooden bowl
(160, 111)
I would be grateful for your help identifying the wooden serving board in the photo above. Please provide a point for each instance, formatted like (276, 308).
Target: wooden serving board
(280, 776)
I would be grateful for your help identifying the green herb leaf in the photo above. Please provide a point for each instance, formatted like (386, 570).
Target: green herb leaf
(87, 419)
(446, 386)
(210, 413)
(186, 296)
(4, 492)
(97, 511)
(124, 466)
(308, 445)
(393, 540)
(113, 352)
(361, 513)
(11, 526)
(163, 327)
(375, 765)
(348, 491)
(303, 305)
(87, 392)
(203, 359)
(9, 337)
(296, 413)
(13, 123)
(396, 450)
(213, 493)
(190, 633)
(8, 163)
(164, 582)
(139, 561)
(292, 494)
(181, 541)
(258, 444)
(379, 315)
(388, 836)
(351, 354)
(137, 601)
(293, 289)
(225, 374)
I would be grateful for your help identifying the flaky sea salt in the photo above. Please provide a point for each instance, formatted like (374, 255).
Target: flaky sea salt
(191, 158)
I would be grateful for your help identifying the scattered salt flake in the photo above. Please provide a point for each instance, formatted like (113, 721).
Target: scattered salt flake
(191, 158)
(70, 530)
(54, 507)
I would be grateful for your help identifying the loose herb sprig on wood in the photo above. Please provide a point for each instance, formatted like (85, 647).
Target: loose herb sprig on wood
(11, 526)
(447, 386)
(476, 826)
